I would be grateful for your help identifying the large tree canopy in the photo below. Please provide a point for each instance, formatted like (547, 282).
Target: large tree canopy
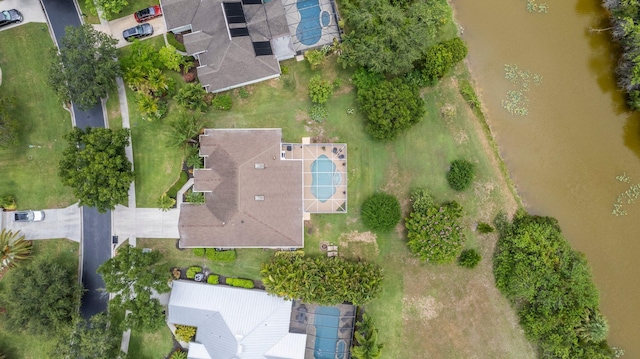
(95, 339)
(42, 296)
(551, 287)
(391, 107)
(389, 36)
(86, 67)
(133, 276)
(96, 167)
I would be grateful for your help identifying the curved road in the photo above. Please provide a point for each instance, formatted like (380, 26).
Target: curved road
(96, 227)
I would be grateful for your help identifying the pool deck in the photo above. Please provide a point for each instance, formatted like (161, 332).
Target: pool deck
(308, 153)
(303, 319)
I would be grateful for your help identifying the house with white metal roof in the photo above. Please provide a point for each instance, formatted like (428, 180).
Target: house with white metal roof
(235, 323)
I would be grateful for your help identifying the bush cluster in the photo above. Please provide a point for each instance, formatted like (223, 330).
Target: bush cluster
(551, 287)
(179, 354)
(321, 280)
(221, 256)
(461, 174)
(239, 282)
(222, 102)
(199, 252)
(469, 258)
(213, 279)
(185, 333)
(320, 89)
(434, 231)
(381, 212)
(192, 271)
(441, 58)
(485, 228)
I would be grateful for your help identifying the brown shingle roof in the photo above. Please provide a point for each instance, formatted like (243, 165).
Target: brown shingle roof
(232, 217)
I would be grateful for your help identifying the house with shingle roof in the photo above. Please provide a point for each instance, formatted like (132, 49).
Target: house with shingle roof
(235, 323)
(235, 43)
(252, 197)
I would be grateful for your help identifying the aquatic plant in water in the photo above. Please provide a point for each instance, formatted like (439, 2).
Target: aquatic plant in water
(517, 101)
(630, 195)
(532, 6)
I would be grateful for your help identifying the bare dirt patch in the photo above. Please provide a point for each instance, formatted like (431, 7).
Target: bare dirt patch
(358, 245)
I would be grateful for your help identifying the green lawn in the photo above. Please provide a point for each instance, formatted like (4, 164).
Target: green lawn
(151, 345)
(30, 169)
(87, 13)
(37, 346)
(113, 110)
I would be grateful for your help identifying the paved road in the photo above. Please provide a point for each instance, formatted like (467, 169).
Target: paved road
(96, 230)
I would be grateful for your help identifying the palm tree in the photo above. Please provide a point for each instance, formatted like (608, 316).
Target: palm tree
(13, 248)
(185, 129)
(594, 327)
(165, 202)
(367, 338)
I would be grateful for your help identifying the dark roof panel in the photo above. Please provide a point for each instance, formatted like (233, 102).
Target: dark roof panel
(262, 48)
(233, 12)
(240, 31)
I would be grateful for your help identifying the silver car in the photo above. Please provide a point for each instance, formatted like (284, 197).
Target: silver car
(28, 216)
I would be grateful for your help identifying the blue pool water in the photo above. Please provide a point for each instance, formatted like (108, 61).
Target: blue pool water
(309, 30)
(327, 320)
(325, 18)
(324, 178)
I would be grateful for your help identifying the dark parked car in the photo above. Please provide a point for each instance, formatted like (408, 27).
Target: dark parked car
(8, 17)
(148, 13)
(137, 32)
(28, 216)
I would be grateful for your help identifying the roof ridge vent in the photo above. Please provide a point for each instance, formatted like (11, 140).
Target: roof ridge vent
(259, 198)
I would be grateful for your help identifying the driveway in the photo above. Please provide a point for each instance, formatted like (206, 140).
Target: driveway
(145, 223)
(58, 223)
(117, 26)
(30, 9)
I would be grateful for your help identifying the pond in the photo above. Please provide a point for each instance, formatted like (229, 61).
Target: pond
(565, 154)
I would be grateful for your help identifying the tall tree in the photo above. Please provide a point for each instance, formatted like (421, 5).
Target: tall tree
(86, 67)
(95, 339)
(184, 129)
(366, 336)
(42, 296)
(391, 107)
(13, 248)
(133, 276)
(389, 36)
(95, 165)
(8, 124)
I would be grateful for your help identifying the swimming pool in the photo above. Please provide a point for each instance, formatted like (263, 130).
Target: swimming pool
(309, 30)
(327, 320)
(325, 179)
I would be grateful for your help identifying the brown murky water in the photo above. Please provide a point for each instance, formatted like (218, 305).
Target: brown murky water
(564, 155)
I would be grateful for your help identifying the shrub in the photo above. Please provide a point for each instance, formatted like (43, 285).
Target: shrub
(469, 258)
(213, 279)
(485, 228)
(469, 95)
(337, 83)
(222, 102)
(199, 252)
(461, 174)
(315, 58)
(221, 256)
(173, 191)
(318, 113)
(8, 202)
(381, 212)
(294, 276)
(421, 200)
(364, 79)
(171, 38)
(185, 333)
(175, 273)
(179, 354)
(170, 58)
(441, 57)
(191, 97)
(194, 197)
(192, 271)
(319, 89)
(165, 202)
(243, 93)
(239, 282)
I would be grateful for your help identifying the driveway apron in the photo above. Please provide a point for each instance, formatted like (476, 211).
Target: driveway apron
(96, 227)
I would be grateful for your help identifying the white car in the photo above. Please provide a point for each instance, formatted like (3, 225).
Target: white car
(28, 216)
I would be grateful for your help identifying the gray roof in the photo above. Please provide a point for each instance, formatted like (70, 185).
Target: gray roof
(235, 323)
(227, 62)
(245, 206)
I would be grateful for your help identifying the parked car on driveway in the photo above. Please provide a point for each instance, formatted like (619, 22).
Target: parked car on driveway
(148, 13)
(137, 32)
(8, 17)
(28, 216)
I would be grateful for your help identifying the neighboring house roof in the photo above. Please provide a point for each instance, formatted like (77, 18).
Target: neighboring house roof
(235, 323)
(253, 198)
(227, 62)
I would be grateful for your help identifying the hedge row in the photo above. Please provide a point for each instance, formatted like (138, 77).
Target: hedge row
(239, 282)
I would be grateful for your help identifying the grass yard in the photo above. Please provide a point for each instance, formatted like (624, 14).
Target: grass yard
(17, 344)
(87, 12)
(424, 310)
(156, 165)
(246, 265)
(30, 169)
(113, 110)
(151, 345)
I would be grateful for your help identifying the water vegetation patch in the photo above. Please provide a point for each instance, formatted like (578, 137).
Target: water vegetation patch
(629, 196)
(516, 101)
(533, 6)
